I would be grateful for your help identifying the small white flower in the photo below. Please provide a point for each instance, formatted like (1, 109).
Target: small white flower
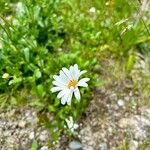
(5, 76)
(92, 10)
(67, 84)
(71, 125)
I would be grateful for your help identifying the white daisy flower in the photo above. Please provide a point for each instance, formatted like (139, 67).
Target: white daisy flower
(71, 125)
(67, 83)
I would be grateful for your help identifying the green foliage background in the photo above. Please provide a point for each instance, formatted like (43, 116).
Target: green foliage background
(39, 37)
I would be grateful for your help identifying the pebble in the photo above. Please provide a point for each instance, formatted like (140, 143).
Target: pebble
(31, 136)
(43, 136)
(21, 124)
(133, 145)
(44, 148)
(75, 145)
(120, 102)
(7, 133)
(103, 146)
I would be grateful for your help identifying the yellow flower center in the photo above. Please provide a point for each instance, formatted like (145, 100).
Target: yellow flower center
(72, 83)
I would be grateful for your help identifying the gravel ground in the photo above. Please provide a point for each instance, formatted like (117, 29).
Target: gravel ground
(18, 129)
(109, 122)
(116, 115)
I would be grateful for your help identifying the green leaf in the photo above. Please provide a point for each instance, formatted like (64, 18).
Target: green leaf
(37, 73)
(13, 100)
(15, 81)
(26, 54)
(34, 145)
(130, 63)
(51, 108)
(40, 90)
(36, 11)
(57, 102)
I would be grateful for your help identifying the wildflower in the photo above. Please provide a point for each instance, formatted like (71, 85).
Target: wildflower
(67, 84)
(5, 76)
(71, 125)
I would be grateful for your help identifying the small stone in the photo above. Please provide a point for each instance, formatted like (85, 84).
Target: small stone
(110, 129)
(14, 125)
(115, 107)
(21, 124)
(31, 135)
(120, 102)
(127, 98)
(24, 143)
(124, 122)
(11, 140)
(146, 111)
(7, 133)
(75, 145)
(103, 146)
(43, 136)
(133, 145)
(44, 148)
(12, 112)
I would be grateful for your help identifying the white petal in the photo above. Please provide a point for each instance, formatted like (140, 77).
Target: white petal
(63, 76)
(61, 94)
(81, 83)
(76, 71)
(77, 94)
(82, 72)
(69, 98)
(67, 73)
(72, 72)
(56, 89)
(84, 80)
(65, 97)
(63, 100)
(55, 77)
(58, 84)
(60, 79)
(76, 68)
